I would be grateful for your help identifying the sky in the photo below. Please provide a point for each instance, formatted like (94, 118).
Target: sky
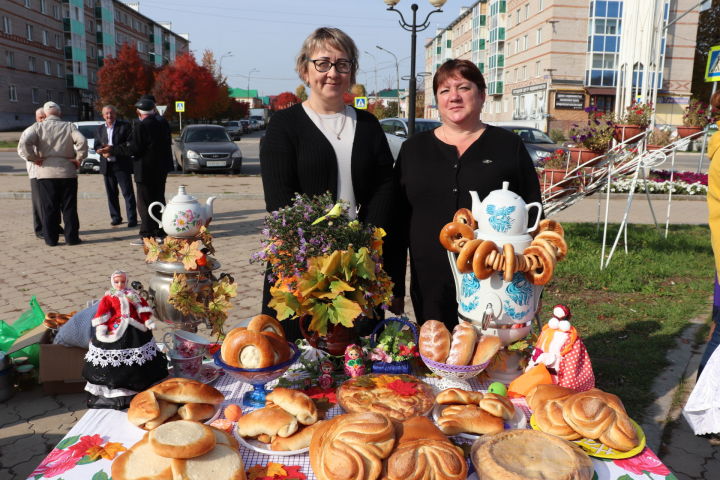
(266, 35)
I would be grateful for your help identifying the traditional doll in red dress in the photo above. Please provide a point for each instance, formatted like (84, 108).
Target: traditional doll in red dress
(122, 359)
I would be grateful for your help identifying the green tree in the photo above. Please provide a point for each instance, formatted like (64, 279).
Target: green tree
(301, 93)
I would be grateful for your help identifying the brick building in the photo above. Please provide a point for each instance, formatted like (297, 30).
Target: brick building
(52, 50)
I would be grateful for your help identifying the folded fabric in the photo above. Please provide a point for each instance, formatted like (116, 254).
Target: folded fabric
(702, 410)
(77, 332)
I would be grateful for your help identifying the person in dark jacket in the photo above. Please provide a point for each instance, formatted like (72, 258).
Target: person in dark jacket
(116, 169)
(324, 145)
(149, 144)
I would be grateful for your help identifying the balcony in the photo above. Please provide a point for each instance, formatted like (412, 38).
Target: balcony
(76, 81)
(495, 88)
(73, 26)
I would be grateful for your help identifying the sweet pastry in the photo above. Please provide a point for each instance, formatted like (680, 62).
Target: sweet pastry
(529, 455)
(600, 416)
(141, 462)
(463, 344)
(221, 463)
(281, 350)
(196, 411)
(457, 396)
(246, 349)
(397, 396)
(182, 439)
(269, 420)
(434, 341)
(294, 402)
(549, 419)
(497, 405)
(423, 452)
(143, 408)
(299, 440)
(265, 323)
(486, 348)
(542, 393)
(457, 419)
(167, 410)
(185, 390)
(351, 446)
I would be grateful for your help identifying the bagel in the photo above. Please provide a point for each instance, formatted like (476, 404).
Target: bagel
(465, 257)
(543, 273)
(480, 267)
(509, 268)
(557, 240)
(265, 323)
(550, 225)
(455, 235)
(246, 349)
(547, 246)
(465, 216)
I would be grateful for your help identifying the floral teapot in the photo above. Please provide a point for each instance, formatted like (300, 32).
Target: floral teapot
(492, 305)
(183, 215)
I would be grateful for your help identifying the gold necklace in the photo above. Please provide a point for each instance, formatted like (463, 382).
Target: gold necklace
(342, 124)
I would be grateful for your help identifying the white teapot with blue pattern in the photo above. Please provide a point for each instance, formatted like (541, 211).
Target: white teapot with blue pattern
(492, 305)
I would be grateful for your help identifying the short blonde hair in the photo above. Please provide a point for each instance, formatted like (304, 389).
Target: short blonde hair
(326, 37)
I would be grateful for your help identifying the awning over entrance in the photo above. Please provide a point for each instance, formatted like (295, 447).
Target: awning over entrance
(601, 90)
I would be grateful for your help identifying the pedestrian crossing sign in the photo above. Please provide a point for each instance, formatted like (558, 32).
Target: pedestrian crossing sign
(361, 103)
(180, 106)
(712, 70)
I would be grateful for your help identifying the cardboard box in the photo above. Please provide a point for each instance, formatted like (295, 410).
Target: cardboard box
(60, 366)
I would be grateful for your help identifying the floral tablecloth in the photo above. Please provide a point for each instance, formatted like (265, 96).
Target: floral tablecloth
(100, 434)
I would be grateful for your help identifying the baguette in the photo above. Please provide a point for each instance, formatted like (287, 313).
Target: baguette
(463, 344)
(434, 341)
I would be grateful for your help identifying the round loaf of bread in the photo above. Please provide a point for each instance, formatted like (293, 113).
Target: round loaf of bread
(182, 439)
(221, 463)
(185, 390)
(141, 462)
(434, 341)
(265, 323)
(246, 349)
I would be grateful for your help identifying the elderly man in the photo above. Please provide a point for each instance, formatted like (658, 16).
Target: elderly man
(32, 174)
(150, 145)
(56, 147)
(116, 169)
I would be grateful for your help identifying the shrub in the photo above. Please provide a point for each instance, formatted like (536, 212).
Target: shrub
(697, 114)
(597, 133)
(557, 135)
(638, 114)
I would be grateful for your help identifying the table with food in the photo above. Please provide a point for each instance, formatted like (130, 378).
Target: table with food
(405, 402)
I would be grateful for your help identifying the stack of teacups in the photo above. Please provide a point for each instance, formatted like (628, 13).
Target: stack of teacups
(185, 351)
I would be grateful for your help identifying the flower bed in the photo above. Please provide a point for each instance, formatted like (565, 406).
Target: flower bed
(685, 183)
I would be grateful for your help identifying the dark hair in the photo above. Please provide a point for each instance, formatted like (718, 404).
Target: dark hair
(715, 100)
(463, 68)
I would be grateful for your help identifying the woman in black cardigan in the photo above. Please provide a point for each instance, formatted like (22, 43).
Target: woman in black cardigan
(323, 145)
(435, 171)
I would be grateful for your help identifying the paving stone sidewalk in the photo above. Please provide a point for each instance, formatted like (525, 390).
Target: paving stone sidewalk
(65, 277)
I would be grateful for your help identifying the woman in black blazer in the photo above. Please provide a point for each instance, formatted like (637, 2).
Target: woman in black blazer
(324, 145)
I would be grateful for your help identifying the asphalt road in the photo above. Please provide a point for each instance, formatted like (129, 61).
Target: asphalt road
(10, 162)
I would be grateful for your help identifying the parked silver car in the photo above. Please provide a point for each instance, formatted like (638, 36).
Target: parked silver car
(208, 148)
(396, 130)
(234, 129)
(91, 163)
(538, 144)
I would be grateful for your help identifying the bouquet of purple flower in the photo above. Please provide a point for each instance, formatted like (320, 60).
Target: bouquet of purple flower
(597, 133)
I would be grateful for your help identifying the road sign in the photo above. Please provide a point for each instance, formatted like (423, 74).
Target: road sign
(361, 103)
(712, 70)
(161, 109)
(180, 106)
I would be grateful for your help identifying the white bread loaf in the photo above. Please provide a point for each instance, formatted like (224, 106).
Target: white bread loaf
(463, 344)
(434, 341)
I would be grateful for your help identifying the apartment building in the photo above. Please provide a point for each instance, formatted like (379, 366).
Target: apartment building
(52, 50)
(545, 61)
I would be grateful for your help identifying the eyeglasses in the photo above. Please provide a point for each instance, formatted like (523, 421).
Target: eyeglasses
(341, 66)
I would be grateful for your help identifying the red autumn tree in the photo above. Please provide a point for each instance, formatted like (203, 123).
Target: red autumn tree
(185, 80)
(220, 101)
(283, 101)
(122, 80)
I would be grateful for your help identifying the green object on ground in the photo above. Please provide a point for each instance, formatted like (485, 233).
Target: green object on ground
(498, 389)
(29, 319)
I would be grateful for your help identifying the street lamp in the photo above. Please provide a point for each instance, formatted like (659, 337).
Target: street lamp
(248, 85)
(226, 54)
(397, 74)
(413, 27)
(375, 71)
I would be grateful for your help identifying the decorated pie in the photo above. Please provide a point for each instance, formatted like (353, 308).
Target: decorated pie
(396, 396)
(529, 455)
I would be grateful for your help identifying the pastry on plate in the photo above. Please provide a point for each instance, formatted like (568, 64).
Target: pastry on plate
(397, 396)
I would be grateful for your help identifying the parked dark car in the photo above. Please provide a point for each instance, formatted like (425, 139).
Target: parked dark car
(538, 144)
(206, 148)
(234, 129)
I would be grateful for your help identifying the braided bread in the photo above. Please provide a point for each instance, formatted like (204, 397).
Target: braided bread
(457, 396)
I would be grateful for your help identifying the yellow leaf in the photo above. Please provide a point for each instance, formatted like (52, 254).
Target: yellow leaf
(338, 286)
(344, 311)
(331, 263)
(190, 253)
(153, 249)
(275, 469)
(320, 318)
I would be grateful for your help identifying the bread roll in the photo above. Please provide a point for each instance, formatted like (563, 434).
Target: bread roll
(167, 410)
(196, 411)
(182, 439)
(141, 462)
(224, 438)
(265, 323)
(542, 393)
(299, 440)
(185, 390)
(457, 396)
(296, 403)
(417, 428)
(600, 416)
(246, 349)
(143, 408)
(468, 419)
(270, 420)
(434, 341)
(497, 405)
(351, 446)
(485, 350)
(549, 418)
(426, 459)
(281, 350)
(463, 344)
(221, 463)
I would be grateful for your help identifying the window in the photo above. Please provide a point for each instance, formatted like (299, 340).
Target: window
(517, 16)
(35, 95)
(527, 10)
(537, 68)
(524, 72)
(58, 45)
(12, 93)
(540, 5)
(10, 59)
(73, 99)
(538, 36)
(56, 11)
(59, 70)
(32, 64)
(48, 95)
(29, 32)
(515, 75)
(525, 42)
(92, 52)
(27, 4)
(517, 45)
(61, 98)
(44, 37)
(7, 25)
(43, 6)
(46, 64)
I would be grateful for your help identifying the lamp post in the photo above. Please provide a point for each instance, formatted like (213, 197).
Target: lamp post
(248, 85)
(226, 54)
(375, 71)
(397, 75)
(413, 27)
